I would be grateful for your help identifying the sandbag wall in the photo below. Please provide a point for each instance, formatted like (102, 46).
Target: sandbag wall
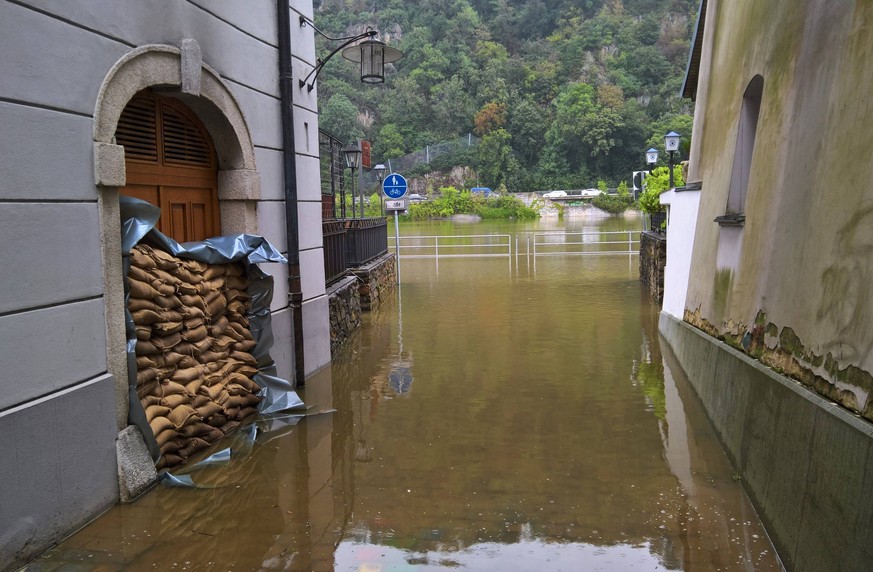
(194, 366)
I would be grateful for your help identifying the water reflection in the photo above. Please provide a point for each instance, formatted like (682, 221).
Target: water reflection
(538, 427)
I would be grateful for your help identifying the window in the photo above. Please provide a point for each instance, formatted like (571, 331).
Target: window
(746, 132)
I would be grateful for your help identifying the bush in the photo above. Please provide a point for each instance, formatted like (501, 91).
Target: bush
(656, 183)
(614, 204)
(453, 201)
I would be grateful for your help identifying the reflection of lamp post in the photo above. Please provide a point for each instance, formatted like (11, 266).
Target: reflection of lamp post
(380, 173)
(671, 143)
(353, 159)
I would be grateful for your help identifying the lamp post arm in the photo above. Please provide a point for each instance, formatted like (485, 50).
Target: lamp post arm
(320, 65)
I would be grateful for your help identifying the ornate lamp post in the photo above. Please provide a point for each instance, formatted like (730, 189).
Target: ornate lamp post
(380, 174)
(353, 159)
(651, 158)
(671, 143)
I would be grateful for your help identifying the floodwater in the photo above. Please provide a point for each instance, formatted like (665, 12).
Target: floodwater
(489, 416)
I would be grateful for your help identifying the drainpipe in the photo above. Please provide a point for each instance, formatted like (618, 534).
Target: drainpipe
(286, 98)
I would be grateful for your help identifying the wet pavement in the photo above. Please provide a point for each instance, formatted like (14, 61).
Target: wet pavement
(488, 417)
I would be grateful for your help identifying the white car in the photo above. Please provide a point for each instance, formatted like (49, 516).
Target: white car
(555, 194)
(591, 192)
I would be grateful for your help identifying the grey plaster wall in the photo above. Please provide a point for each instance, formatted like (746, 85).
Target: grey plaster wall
(58, 467)
(57, 403)
(806, 463)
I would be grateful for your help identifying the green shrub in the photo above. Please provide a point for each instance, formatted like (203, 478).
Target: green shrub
(656, 183)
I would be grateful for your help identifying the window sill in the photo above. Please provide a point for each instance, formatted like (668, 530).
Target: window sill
(735, 219)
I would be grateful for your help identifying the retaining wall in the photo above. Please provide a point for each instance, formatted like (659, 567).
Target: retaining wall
(806, 463)
(653, 259)
(363, 291)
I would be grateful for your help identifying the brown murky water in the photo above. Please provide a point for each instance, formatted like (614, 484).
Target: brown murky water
(490, 418)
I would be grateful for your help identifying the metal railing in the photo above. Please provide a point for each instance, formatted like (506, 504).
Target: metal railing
(658, 222)
(455, 246)
(334, 232)
(366, 239)
(332, 162)
(595, 243)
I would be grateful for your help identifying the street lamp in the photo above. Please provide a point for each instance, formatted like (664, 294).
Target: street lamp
(353, 159)
(371, 54)
(651, 158)
(380, 173)
(671, 143)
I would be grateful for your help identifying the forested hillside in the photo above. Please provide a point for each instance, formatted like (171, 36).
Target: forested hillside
(563, 93)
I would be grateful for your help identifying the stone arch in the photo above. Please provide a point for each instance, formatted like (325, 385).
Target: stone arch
(177, 72)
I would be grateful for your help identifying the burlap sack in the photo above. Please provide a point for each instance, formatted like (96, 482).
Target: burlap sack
(192, 447)
(160, 424)
(167, 359)
(153, 411)
(175, 400)
(187, 361)
(146, 348)
(143, 332)
(244, 346)
(164, 343)
(214, 271)
(182, 415)
(134, 304)
(237, 283)
(193, 301)
(208, 410)
(146, 375)
(244, 357)
(166, 328)
(195, 334)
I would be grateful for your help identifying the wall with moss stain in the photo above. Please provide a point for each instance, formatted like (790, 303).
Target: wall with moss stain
(806, 250)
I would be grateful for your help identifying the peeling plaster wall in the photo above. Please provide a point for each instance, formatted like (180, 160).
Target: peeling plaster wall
(803, 259)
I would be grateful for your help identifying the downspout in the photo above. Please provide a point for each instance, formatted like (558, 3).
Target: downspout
(286, 98)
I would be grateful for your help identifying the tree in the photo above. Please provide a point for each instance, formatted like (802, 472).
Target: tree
(491, 117)
(340, 118)
(494, 158)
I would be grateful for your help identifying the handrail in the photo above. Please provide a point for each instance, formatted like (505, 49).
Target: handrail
(438, 242)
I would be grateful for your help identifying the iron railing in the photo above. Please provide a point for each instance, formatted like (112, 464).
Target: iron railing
(332, 175)
(658, 222)
(348, 242)
(334, 250)
(367, 239)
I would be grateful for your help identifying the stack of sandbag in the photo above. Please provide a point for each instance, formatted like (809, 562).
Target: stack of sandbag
(194, 366)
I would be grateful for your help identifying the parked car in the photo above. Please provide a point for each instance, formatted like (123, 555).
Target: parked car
(555, 194)
(591, 192)
(416, 198)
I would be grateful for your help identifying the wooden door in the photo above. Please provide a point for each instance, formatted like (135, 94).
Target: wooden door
(171, 163)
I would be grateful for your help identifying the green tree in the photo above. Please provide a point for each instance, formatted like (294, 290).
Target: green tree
(494, 158)
(340, 118)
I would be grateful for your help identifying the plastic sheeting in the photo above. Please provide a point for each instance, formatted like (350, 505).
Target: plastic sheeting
(138, 220)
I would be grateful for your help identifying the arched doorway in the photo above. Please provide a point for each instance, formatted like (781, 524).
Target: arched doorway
(170, 162)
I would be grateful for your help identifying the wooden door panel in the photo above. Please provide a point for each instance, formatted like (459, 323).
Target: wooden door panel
(193, 212)
(148, 193)
(170, 162)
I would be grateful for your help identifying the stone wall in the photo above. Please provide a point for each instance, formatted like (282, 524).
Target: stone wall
(377, 279)
(363, 291)
(804, 462)
(345, 310)
(653, 258)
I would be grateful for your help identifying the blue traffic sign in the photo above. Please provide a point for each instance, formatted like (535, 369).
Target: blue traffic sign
(394, 186)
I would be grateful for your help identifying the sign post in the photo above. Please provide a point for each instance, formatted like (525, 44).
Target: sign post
(394, 186)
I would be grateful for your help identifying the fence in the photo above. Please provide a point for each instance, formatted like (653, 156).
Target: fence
(455, 246)
(333, 179)
(595, 243)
